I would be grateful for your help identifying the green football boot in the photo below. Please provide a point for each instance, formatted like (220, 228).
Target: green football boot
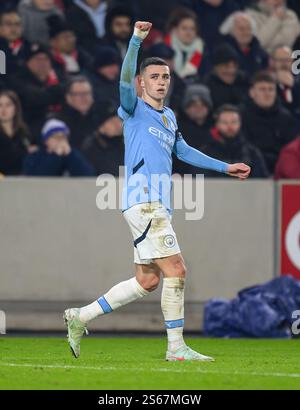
(76, 329)
(186, 353)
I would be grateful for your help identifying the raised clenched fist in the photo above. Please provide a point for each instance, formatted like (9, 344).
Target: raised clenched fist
(141, 29)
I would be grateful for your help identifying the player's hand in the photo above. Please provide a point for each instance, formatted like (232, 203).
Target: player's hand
(239, 170)
(142, 29)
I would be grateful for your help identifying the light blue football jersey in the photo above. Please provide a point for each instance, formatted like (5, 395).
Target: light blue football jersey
(149, 137)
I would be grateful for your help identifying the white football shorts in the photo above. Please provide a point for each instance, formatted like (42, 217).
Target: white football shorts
(153, 234)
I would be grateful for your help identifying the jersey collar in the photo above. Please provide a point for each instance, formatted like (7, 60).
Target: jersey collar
(150, 106)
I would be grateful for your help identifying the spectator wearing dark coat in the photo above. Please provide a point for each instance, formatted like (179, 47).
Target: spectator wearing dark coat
(239, 33)
(9, 4)
(228, 144)
(195, 116)
(56, 157)
(105, 76)
(11, 40)
(266, 124)
(227, 83)
(194, 121)
(67, 57)
(87, 20)
(79, 111)
(119, 24)
(15, 138)
(39, 88)
(288, 164)
(105, 148)
(288, 84)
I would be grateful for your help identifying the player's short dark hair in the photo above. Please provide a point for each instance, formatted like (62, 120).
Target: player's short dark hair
(152, 61)
(226, 108)
(262, 77)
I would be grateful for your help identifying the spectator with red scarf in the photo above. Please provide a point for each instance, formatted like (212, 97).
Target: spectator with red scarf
(67, 57)
(38, 87)
(11, 40)
(183, 37)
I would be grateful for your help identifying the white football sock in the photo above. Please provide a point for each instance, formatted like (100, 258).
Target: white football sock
(172, 304)
(119, 295)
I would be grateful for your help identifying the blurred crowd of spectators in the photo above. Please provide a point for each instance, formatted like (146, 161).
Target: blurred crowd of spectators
(232, 88)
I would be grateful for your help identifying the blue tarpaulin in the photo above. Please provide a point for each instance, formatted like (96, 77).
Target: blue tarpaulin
(259, 311)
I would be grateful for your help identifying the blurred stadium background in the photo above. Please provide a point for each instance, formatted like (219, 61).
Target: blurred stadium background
(63, 62)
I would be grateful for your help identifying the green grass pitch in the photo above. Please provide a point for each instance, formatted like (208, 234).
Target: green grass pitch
(138, 363)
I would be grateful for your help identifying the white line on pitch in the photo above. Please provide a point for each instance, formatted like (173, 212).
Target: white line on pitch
(238, 373)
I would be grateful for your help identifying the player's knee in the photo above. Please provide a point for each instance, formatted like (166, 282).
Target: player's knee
(150, 283)
(179, 269)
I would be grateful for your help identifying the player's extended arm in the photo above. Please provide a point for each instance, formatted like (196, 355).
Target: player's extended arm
(192, 156)
(128, 95)
(188, 154)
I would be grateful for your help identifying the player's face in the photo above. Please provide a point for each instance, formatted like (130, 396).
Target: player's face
(229, 124)
(155, 81)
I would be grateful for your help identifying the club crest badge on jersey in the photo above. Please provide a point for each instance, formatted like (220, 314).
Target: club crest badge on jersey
(169, 241)
(165, 120)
